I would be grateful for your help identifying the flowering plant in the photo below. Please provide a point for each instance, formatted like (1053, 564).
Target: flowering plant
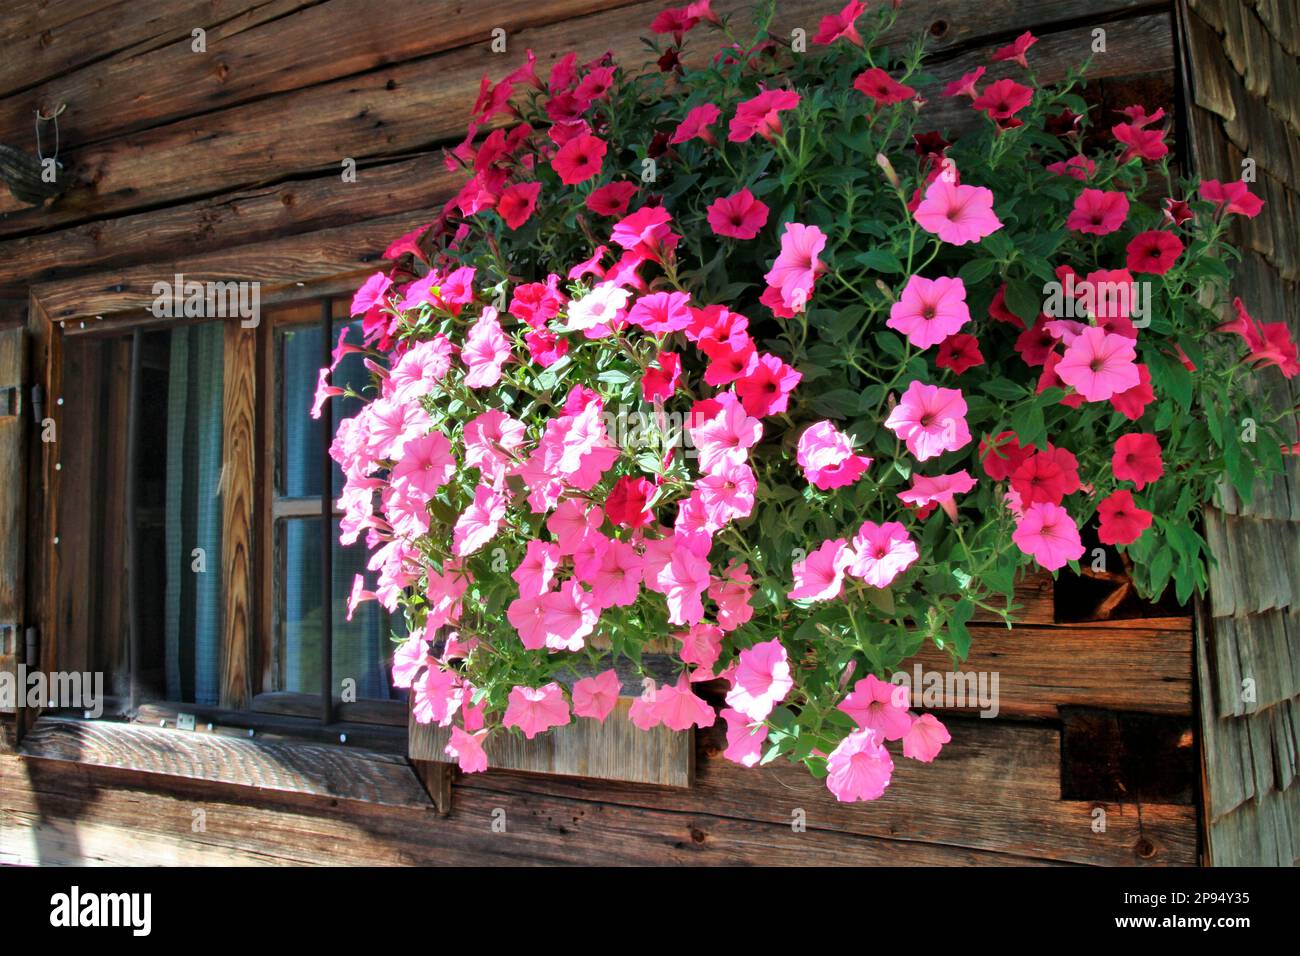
(731, 355)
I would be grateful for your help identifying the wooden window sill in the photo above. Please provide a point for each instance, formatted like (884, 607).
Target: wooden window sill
(342, 772)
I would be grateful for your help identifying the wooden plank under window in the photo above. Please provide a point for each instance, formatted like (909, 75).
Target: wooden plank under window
(13, 411)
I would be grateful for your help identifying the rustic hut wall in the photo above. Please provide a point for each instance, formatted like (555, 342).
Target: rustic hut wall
(225, 165)
(1244, 90)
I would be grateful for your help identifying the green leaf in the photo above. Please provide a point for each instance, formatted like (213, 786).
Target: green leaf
(880, 260)
(976, 271)
(1023, 300)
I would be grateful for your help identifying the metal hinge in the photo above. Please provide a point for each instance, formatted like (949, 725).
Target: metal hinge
(11, 401)
(9, 639)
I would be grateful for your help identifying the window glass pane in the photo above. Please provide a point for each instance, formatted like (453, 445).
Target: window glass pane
(299, 434)
(190, 510)
(362, 649)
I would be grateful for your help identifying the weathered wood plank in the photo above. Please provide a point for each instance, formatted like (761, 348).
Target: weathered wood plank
(331, 260)
(46, 39)
(14, 414)
(612, 750)
(253, 55)
(239, 410)
(55, 813)
(344, 773)
(254, 215)
(1014, 769)
(415, 105)
(1144, 666)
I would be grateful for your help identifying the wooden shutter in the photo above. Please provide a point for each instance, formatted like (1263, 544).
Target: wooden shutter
(14, 410)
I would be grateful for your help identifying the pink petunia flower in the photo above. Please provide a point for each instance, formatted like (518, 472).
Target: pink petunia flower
(726, 435)
(939, 490)
(929, 310)
(1231, 197)
(797, 265)
(596, 697)
(467, 749)
(486, 350)
(479, 523)
(762, 680)
(878, 705)
(426, 465)
(826, 455)
(881, 552)
(677, 707)
(925, 738)
(490, 439)
(964, 85)
(661, 312)
(617, 579)
(1099, 364)
(859, 768)
(1270, 343)
(956, 213)
(930, 420)
(536, 571)
(1048, 533)
(739, 216)
(745, 738)
(820, 576)
(536, 710)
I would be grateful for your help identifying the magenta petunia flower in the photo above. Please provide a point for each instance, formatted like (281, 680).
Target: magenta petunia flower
(1099, 364)
(761, 115)
(1015, 50)
(1270, 343)
(859, 768)
(930, 420)
(1137, 459)
(611, 199)
(739, 216)
(957, 214)
(660, 380)
(835, 26)
(1048, 533)
(929, 310)
(1154, 251)
(1231, 197)
(964, 85)
(765, 387)
(697, 124)
(1098, 212)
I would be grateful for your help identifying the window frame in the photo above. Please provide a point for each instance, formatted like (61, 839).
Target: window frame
(248, 701)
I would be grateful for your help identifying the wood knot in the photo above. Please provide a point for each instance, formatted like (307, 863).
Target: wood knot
(697, 835)
(288, 199)
(390, 85)
(939, 29)
(47, 38)
(222, 70)
(1144, 848)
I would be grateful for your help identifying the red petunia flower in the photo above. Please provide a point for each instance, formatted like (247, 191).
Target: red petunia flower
(611, 199)
(1132, 402)
(1236, 197)
(1122, 521)
(1003, 99)
(738, 217)
(1137, 459)
(882, 87)
(959, 352)
(1046, 476)
(1015, 51)
(1003, 456)
(517, 203)
(579, 159)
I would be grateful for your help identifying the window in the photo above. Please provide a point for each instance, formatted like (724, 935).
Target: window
(198, 564)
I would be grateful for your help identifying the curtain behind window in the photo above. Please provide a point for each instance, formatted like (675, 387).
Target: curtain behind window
(193, 504)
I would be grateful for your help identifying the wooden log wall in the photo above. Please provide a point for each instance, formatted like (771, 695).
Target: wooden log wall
(224, 164)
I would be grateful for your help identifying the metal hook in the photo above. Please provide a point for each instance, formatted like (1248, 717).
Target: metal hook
(41, 117)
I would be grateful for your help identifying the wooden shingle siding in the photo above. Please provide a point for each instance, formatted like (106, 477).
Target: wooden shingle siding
(1244, 103)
